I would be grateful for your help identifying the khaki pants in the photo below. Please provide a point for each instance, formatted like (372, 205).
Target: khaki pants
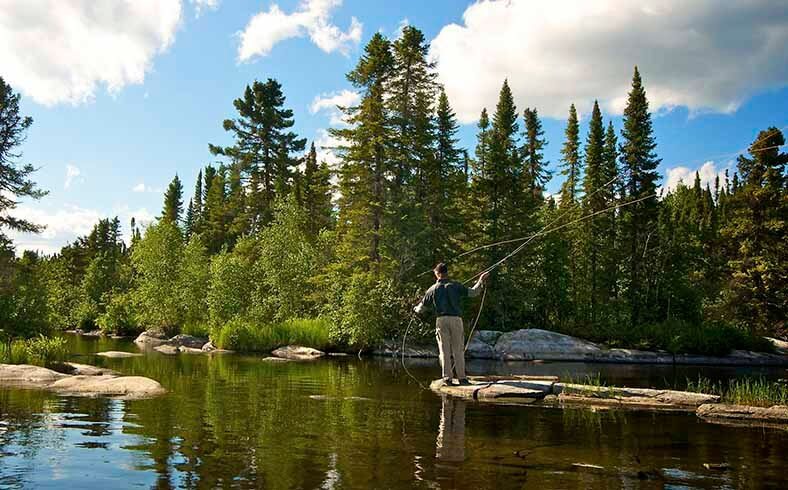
(451, 345)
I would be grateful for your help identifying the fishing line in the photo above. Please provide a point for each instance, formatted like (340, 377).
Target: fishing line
(402, 353)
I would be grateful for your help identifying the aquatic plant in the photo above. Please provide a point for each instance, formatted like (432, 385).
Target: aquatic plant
(40, 351)
(247, 335)
(754, 391)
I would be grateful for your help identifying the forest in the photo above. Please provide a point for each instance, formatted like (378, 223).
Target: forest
(274, 246)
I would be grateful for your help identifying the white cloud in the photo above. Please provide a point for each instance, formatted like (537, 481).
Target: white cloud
(62, 51)
(64, 225)
(72, 172)
(708, 173)
(312, 18)
(705, 54)
(329, 102)
(142, 187)
(201, 6)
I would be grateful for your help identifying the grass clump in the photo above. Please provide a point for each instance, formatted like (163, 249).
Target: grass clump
(752, 391)
(40, 351)
(245, 335)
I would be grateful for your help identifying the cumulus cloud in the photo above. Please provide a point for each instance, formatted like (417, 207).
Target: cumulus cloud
(325, 145)
(72, 173)
(66, 224)
(311, 17)
(708, 173)
(329, 102)
(142, 187)
(706, 55)
(58, 51)
(201, 6)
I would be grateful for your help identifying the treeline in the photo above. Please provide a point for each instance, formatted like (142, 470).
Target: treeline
(271, 234)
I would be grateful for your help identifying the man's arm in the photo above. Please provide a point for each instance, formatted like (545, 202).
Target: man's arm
(476, 290)
(425, 301)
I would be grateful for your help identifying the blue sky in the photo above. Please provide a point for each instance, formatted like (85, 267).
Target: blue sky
(108, 142)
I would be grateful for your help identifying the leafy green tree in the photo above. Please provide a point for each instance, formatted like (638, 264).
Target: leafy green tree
(14, 177)
(229, 294)
(194, 281)
(173, 202)
(639, 162)
(157, 258)
(23, 302)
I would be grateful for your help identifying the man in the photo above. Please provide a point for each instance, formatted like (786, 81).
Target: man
(445, 299)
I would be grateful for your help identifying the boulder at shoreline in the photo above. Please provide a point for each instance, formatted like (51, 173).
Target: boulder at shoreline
(114, 354)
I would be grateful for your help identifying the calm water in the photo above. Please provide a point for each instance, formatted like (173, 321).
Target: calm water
(233, 421)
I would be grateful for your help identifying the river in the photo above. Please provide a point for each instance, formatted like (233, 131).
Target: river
(236, 421)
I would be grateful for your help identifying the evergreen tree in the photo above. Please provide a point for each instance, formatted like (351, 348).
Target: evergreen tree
(188, 223)
(612, 194)
(639, 161)
(196, 203)
(536, 173)
(594, 201)
(15, 177)
(264, 146)
(215, 213)
(316, 194)
(757, 289)
(173, 202)
(571, 160)
(364, 176)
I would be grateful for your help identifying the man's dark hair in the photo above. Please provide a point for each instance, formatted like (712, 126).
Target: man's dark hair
(441, 268)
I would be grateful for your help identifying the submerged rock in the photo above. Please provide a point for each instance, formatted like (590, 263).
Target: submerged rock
(151, 338)
(126, 387)
(114, 354)
(88, 370)
(101, 382)
(298, 353)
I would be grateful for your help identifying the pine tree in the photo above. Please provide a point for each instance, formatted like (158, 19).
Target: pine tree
(571, 160)
(173, 202)
(188, 224)
(364, 176)
(639, 161)
(236, 212)
(612, 194)
(196, 204)
(264, 146)
(15, 178)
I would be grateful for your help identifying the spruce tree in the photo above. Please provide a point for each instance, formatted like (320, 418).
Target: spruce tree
(639, 162)
(316, 192)
(215, 213)
(612, 194)
(536, 173)
(593, 202)
(196, 204)
(173, 202)
(364, 175)
(571, 160)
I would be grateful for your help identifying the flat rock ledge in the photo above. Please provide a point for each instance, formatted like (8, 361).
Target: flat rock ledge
(298, 353)
(99, 384)
(529, 389)
(777, 414)
(533, 344)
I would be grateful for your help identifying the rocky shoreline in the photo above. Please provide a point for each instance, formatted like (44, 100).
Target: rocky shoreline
(535, 344)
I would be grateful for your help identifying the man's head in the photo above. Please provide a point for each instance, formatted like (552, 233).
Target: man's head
(441, 271)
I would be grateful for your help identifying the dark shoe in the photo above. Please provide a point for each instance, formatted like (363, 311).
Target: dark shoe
(464, 382)
(446, 381)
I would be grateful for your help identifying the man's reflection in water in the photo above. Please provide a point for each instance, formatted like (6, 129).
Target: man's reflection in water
(450, 445)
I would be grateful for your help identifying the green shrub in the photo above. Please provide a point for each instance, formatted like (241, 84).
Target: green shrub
(119, 316)
(246, 335)
(758, 392)
(201, 330)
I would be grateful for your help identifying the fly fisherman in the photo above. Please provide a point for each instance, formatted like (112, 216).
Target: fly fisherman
(445, 299)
